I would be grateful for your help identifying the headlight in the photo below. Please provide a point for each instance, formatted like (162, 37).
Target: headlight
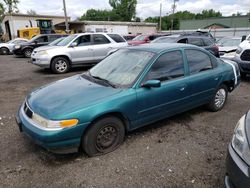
(239, 141)
(43, 52)
(239, 50)
(54, 125)
(17, 46)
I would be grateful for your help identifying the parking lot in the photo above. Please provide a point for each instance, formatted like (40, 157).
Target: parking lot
(187, 150)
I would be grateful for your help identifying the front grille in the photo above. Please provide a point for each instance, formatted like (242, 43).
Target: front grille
(245, 56)
(27, 110)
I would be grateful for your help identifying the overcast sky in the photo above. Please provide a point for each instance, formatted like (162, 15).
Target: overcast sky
(144, 9)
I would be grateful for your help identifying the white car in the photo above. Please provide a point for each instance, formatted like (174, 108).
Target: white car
(228, 46)
(6, 48)
(77, 50)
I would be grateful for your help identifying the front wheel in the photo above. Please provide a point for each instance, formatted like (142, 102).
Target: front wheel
(60, 65)
(104, 136)
(219, 99)
(27, 52)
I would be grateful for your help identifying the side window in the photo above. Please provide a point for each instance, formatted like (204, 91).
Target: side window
(42, 39)
(195, 41)
(198, 61)
(53, 37)
(184, 41)
(100, 39)
(83, 40)
(116, 38)
(207, 42)
(168, 66)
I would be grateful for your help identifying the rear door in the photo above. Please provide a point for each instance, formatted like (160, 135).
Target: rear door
(204, 77)
(41, 41)
(101, 46)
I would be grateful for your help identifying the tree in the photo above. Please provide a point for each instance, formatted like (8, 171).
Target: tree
(11, 6)
(31, 12)
(124, 9)
(2, 10)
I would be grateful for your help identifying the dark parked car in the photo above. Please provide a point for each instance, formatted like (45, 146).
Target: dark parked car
(238, 159)
(201, 41)
(25, 49)
(130, 88)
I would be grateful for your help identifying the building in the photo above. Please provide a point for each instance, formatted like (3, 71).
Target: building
(13, 22)
(216, 23)
(122, 28)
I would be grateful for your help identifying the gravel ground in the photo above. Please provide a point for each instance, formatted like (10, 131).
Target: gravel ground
(187, 150)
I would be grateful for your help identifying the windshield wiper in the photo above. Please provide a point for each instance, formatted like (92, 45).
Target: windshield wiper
(104, 80)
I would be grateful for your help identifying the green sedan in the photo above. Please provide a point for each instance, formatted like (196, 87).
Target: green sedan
(130, 88)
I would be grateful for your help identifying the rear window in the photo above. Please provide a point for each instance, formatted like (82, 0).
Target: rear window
(116, 38)
(195, 41)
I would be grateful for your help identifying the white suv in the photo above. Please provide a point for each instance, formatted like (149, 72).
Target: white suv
(77, 50)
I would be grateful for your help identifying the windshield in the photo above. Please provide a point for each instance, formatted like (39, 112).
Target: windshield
(10, 41)
(164, 40)
(55, 42)
(66, 41)
(229, 42)
(140, 37)
(122, 67)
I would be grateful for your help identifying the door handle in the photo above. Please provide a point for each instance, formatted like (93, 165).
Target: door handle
(183, 87)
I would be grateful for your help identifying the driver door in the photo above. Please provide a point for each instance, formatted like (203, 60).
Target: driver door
(82, 52)
(171, 97)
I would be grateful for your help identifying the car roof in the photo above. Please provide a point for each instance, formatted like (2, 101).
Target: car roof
(159, 47)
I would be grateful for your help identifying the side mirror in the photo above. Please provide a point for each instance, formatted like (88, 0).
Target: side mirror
(73, 44)
(243, 38)
(152, 83)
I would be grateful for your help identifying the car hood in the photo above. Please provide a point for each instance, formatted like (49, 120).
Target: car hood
(3, 44)
(67, 96)
(245, 44)
(47, 47)
(227, 48)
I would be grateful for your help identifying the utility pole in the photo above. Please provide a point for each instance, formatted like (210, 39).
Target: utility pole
(160, 16)
(66, 17)
(173, 9)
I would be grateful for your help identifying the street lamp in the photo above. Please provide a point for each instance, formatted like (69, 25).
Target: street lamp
(173, 9)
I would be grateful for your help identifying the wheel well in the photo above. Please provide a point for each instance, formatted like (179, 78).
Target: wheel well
(61, 56)
(118, 115)
(229, 84)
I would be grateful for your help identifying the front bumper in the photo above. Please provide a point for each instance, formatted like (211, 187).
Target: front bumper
(66, 140)
(237, 171)
(41, 62)
(243, 65)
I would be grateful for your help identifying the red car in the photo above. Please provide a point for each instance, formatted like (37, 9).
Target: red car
(142, 39)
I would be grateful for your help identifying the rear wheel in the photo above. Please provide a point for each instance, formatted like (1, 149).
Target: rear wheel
(104, 136)
(27, 52)
(60, 65)
(219, 99)
(4, 51)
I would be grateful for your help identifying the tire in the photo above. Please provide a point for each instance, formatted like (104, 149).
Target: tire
(4, 51)
(243, 75)
(60, 65)
(27, 52)
(104, 136)
(219, 99)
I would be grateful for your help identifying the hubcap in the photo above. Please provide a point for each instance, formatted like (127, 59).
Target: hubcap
(27, 53)
(220, 98)
(61, 66)
(106, 138)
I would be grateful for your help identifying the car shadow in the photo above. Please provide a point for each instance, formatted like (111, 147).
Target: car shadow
(71, 71)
